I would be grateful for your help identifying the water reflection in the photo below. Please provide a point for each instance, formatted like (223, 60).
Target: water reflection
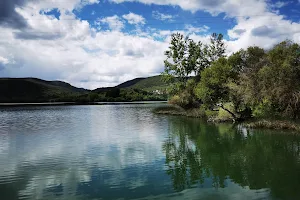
(126, 152)
(81, 152)
(211, 156)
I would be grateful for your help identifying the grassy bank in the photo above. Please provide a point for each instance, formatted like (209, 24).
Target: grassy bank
(178, 111)
(211, 116)
(221, 116)
(273, 124)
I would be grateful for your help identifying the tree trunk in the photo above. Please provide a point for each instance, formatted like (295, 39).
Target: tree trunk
(231, 113)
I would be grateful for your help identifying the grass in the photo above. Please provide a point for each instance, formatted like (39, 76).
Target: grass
(176, 110)
(151, 84)
(212, 116)
(273, 124)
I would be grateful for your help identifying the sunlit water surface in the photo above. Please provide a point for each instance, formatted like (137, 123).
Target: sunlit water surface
(127, 152)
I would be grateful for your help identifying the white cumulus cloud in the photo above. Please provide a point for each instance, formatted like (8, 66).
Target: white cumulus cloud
(114, 22)
(161, 16)
(134, 18)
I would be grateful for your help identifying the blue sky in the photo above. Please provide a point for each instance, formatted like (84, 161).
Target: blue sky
(96, 43)
(176, 18)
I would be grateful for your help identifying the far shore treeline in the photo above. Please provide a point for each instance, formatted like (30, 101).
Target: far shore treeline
(252, 82)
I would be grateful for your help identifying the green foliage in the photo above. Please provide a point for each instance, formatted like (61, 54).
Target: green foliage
(254, 81)
(264, 109)
(178, 66)
(153, 84)
(185, 96)
(280, 78)
(212, 88)
(216, 49)
(93, 96)
(113, 93)
(223, 115)
(183, 100)
(186, 57)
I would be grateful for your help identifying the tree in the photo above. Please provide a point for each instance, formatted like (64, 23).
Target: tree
(113, 93)
(252, 60)
(216, 49)
(176, 64)
(244, 87)
(185, 57)
(197, 57)
(280, 79)
(213, 87)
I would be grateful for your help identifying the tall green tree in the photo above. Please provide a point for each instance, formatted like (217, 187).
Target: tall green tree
(216, 49)
(213, 87)
(280, 78)
(245, 86)
(176, 64)
(186, 57)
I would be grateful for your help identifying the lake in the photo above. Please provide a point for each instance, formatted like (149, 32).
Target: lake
(127, 152)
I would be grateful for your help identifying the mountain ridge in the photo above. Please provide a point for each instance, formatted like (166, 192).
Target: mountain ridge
(31, 90)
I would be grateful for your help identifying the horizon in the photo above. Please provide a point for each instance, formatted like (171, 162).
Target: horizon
(92, 44)
(72, 84)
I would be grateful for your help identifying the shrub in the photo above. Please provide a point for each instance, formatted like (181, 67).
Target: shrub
(264, 110)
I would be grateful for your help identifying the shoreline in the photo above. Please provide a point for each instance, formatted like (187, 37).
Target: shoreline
(76, 103)
(275, 124)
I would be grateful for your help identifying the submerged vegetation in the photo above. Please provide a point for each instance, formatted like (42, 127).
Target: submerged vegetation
(251, 83)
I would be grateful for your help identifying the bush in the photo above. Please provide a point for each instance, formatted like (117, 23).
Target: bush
(288, 125)
(185, 100)
(223, 115)
(264, 110)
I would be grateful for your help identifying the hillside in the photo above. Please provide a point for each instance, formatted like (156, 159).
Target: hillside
(33, 90)
(139, 89)
(130, 83)
(36, 90)
(151, 84)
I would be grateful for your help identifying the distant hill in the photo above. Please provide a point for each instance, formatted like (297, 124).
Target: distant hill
(130, 83)
(139, 89)
(35, 90)
(148, 84)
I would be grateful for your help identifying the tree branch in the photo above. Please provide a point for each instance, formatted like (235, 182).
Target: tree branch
(231, 113)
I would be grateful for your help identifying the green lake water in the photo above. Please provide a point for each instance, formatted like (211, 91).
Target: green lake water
(127, 152)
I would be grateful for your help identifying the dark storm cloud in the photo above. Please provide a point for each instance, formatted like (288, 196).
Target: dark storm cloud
(9, 17)
(27, 35)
